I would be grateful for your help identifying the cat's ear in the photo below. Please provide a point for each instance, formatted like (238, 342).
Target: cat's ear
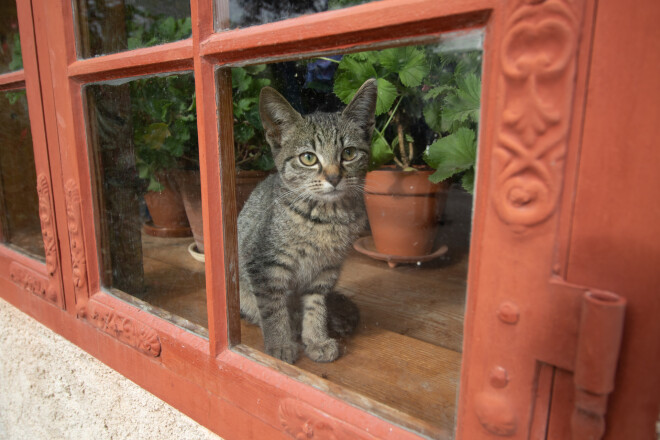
(362, 108)
(277, 115)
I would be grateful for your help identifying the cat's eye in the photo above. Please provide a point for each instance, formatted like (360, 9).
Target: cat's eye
(349, 153)
(308, 159)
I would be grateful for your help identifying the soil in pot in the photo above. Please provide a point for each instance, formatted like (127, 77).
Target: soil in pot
(403, 210)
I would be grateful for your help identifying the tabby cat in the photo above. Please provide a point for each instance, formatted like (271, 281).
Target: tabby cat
(298, 225)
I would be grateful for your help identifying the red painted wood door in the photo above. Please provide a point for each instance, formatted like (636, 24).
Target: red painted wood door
(562, 329)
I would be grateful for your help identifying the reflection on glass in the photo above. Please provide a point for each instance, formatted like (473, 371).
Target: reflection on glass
(243, 13)
(19, 203)
(143, 138)
(305, 262)
(10, 43)
(109, 26)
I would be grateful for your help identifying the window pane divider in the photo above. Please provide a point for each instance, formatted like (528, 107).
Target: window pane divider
(346, 28)
(169, 57)
(12, 80)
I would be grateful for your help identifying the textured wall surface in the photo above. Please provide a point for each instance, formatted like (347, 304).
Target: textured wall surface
(50, 389)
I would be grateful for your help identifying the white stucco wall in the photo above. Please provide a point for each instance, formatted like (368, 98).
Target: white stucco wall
(51, 390)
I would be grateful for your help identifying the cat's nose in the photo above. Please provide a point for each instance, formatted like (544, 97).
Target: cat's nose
(332, 175)
(333, 179)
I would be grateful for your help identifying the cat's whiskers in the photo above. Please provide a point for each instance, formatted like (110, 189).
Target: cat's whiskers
(284, 195)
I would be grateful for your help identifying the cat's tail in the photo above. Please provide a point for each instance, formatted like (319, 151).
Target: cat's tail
(343, 315)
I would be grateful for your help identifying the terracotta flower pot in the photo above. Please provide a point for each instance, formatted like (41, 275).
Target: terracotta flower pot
(403, 210)
(167, 211)
(189, 184)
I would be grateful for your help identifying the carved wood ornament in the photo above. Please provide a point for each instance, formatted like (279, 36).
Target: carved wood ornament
(126, 329)
(303, 422)
(28, 279)
(32, 281)
(538, 59)
(76, 241)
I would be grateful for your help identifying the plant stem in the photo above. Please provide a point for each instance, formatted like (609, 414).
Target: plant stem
(328, 59)
(402, 144)
(392, 113)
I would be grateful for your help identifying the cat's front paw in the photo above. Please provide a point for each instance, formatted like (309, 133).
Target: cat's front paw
(288, 352)
(323, 351)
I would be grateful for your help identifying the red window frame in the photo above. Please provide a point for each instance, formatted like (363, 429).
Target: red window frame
(219, 387)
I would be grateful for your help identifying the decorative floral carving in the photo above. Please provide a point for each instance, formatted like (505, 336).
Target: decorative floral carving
(32, 282)
(304, 422)
(49, 236)
(47, 228)
(125, 329)
(538, 68)
(76, 241)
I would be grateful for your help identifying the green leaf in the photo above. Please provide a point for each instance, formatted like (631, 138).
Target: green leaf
(386, 95)
(352, 72)
(436, 91)
(469, 63)
(414, 72)
(16, 62)
(133, 43)
(452, 154)
(243, 133)
(185, 28)
(409, 63)
(155, 185)
(155, 135)
(265, 162)
(432, 112)
(468, 181)
(463, 104)
(255, 69)
(143, 171)
(381, 153)
(166, 28)
(14, 97)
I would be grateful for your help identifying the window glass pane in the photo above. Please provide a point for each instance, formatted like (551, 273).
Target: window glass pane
(10, 44)
(243, 13)
(311, 257)
(143, 140)
(109, 26)
(19, 202)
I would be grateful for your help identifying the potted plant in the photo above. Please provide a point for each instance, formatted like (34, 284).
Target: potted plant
(165, 129)
(164, 136)
(406, 187)
(164, 125)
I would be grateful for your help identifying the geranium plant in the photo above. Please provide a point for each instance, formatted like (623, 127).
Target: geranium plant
(427, 109)
(164, 111)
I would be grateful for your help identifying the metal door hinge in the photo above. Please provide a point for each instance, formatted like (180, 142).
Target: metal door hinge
(599, 342)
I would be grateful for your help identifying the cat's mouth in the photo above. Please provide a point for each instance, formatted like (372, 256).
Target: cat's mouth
(331, 194)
